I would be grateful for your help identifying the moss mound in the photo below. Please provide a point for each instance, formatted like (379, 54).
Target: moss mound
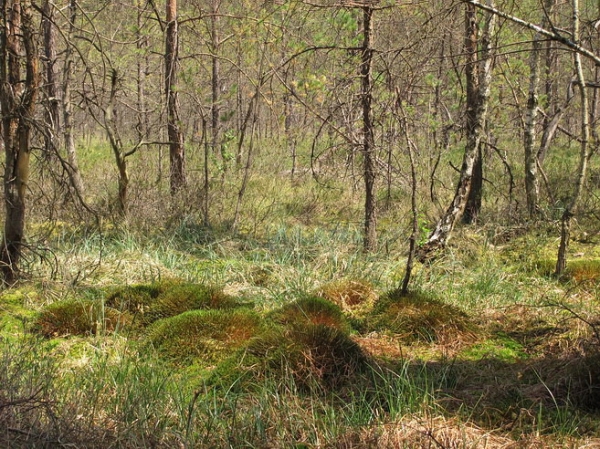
(151, 302)
(417, 317)
(316, 357)
(311, 310)
(135, 298)
(74, 317)
(203, 336)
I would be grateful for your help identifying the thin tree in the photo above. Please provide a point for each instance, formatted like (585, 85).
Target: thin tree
(215, 44)
(473, 203)
(565, 233)
(532, 188)
(176, 142)
(68, 105)
(368, 144)
(477, 108)
(18, 51)
(51, 85)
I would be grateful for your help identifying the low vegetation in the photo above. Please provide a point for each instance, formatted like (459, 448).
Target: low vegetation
(288, 351)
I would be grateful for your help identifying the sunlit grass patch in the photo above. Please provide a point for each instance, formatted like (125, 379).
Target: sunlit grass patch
(499, 346)
(578, 269)
(350, 295)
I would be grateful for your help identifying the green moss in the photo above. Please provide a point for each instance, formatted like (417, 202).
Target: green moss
(311, 310)
(11, 324)
(204, 336)
(14, 315)
(12, 297)
(151, 302)
(500, 347)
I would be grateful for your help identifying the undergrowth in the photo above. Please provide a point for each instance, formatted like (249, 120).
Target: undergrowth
(291, 336)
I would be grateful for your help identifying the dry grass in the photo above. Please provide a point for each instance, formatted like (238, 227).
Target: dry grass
(449, 433)
(417, 317)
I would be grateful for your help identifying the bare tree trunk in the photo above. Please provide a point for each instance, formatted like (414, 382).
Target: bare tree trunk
(532, 188)
(472, 206)
(176, 145)
(143, 127)
(550, 88)
(110, 124)
(414, 210)
(52, 113)
(565, 234)
(67, 105)
(19, 94)
(477, 107)
(475, 196)
(368, 147)
(206, 197)
(250, 116)
(478, 90)
(215, 79)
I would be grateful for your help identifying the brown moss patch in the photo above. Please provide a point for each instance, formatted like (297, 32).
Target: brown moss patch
(311, 310)
(73, 317)
(417, 317)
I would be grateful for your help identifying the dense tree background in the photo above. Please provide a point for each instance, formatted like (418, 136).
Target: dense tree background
(190, 100)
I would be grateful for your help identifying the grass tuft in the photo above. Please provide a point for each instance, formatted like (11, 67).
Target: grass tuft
(417, 317)
(318, 358)
(326, 354)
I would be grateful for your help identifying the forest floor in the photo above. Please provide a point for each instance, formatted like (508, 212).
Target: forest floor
(298, 339)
